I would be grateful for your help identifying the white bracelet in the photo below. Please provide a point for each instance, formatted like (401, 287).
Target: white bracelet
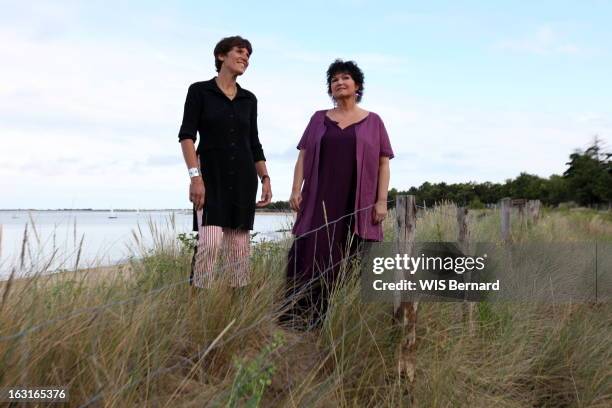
(194, 172)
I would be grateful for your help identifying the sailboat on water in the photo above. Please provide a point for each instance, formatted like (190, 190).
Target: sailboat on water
(112, 213)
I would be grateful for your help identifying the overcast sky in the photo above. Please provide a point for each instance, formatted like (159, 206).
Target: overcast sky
(92, 92)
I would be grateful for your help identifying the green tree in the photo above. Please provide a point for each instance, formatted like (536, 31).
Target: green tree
(588, 175)
(527, 186)
(555, 190)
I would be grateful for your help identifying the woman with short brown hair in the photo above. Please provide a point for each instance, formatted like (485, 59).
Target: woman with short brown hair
(225, 167)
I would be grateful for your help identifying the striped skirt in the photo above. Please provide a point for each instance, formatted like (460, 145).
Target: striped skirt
(220, 253)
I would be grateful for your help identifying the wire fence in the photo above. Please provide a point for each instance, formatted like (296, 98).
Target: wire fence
(201, 352)
(93, 309)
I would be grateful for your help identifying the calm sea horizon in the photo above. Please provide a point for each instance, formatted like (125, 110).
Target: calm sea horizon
(108, 237)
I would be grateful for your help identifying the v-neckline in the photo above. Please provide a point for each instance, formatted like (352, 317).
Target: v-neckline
(223, 93)
(344, 128)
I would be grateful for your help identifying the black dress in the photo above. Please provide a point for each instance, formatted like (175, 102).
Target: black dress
(229, 147)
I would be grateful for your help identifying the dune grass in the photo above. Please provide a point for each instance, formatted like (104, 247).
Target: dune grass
(142, 337)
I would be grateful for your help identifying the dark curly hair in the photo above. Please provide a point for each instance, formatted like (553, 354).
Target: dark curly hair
(226, 44)
(349, 67)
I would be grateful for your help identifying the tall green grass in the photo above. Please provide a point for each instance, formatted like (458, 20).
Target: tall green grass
(142, 337)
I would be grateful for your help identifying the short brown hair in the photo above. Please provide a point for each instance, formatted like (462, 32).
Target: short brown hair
(226, 44)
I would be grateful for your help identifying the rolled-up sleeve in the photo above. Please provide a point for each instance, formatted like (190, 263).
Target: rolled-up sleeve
(191, 114)
(256, 148)
(385, 143)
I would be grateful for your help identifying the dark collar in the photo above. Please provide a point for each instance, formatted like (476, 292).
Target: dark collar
(212, 86)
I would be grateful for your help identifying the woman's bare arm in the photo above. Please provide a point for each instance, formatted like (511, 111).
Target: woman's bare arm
(298, 179)
(266, 187)
(384, 174)
(189, 153)
(196, 187)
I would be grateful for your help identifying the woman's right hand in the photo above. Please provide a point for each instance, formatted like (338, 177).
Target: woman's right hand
(295, 200)
(197, 192)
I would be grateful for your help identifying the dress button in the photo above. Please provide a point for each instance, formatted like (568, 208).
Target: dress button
(232, 130)
(230, 187)
(231, 115)
(232, 144)
(231, 157)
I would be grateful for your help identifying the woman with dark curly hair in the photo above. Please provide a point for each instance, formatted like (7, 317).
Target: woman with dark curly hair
(340, 187)
(225, 168)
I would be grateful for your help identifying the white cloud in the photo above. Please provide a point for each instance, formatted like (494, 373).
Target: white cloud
(93, 122)
(545, 40)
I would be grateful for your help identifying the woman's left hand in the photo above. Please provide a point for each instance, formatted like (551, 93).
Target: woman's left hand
(266, 193)
(380, 212)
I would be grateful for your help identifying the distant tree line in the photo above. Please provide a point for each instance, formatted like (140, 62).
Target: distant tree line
(278, 206)
(586, 182)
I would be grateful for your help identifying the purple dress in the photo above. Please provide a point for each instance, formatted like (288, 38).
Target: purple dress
(372, 142)
(315, 258)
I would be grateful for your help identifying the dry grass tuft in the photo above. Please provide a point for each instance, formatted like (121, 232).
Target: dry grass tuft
(139, 336)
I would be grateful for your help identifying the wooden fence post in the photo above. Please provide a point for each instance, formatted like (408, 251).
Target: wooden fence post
(506, 207)
(405, 312)
(529, 211)
(463, 235)
(463, 240)
(533, 210)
